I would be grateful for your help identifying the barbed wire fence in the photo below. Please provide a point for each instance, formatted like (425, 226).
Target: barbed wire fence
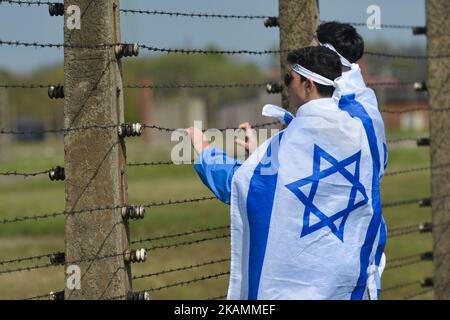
(136, 212)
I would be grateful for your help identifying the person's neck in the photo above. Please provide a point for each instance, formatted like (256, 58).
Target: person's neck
(316, 97)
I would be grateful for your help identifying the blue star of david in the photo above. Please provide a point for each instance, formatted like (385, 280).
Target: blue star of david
(314, 179)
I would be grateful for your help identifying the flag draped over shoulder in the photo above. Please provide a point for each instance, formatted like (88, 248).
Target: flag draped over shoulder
(306, 217)
(354, 96)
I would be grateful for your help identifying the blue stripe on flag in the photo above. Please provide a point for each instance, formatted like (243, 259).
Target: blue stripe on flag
(260, 199)
(380, 249)
(287, 118)
(355, 109)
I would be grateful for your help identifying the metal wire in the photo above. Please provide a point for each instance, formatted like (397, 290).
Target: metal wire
(103, 127)
(403, 203)
(419, 169)
(91, 210)
(401, 285)
(191, 281)
(30, 268)
(26, 3)
(414, 295)
(113, 255)
(414, 259)
(23, 174)
(196, 51)
(37, 297)
(195, 85)
(405, 139)
(212, 262)
(18, 260)
(200, 15)
(144, 164)
(186, 243)
(24, 86)
(400, 231)
(393, 111)
(181, 234)
(180, 283)
(164, 237)
(193, 15)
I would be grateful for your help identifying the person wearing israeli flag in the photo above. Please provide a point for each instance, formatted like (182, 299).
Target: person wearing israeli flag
(305, 206)
(343, 39)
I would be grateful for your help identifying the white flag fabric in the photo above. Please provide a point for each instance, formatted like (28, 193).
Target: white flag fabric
(351, 88)
(306, 219)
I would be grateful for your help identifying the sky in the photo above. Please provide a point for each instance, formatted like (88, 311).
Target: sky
(34, 24)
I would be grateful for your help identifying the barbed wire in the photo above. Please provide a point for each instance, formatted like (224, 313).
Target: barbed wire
(31, 258)
(181, 234)
(23, 174)
(182, 283)
(187, 243)
(113, 255)
(166, 129)
(201, 15)
(164, 237)
(24, 86)
(150, 164)
(394, 111)
(105, 127)
(411, 256)
(199, 265)
(29, 268)
(188, 282)
(64, 130)
(419, 293)
(401, 231)
(422, 228)
(404, 202)
(401, 286)
(185, 51)
(193, 14)
(97, 209)
(195, 85)
(419, 169)
(412, 259)
(37, 297)
(168, 163)
(405, 139)
(27, 3)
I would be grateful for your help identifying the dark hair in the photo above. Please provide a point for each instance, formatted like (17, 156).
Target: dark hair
(343, 37)
(320, 60)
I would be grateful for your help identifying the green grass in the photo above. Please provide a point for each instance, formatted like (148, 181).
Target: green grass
(20, 197)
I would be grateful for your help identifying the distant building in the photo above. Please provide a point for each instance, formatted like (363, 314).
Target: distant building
(398, 98)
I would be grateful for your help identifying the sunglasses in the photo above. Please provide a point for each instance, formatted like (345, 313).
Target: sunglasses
(288, 79)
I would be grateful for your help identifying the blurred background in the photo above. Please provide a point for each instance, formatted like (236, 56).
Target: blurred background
(177, 108)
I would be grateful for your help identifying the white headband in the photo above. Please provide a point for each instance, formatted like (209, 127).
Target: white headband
(312, 75)
(344, 61)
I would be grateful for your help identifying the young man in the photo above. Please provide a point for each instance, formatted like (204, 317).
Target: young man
(361, 103)
(301, 205)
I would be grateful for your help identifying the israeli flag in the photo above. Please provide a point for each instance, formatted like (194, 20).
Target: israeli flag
(306, 218)
(351, 90)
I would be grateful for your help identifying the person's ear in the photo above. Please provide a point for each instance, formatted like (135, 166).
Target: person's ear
(309, 85)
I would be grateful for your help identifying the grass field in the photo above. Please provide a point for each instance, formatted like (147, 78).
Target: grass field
(20, 197)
